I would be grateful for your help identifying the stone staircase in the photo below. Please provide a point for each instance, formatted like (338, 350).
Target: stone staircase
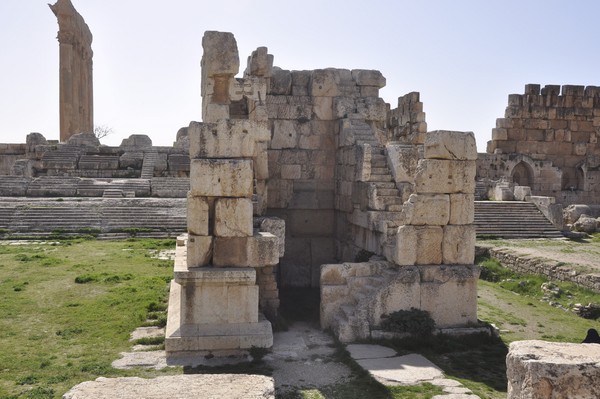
(129, 187)
(53, 186)
(173, 187)
(44, 217)
(512, 219)
(480, 191)
(67, 157)
(150, 158)
(13, 186)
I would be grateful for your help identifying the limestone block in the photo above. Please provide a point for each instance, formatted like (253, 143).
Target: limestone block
(458, 246)
(418, 245)
(539, 369)
(427, 209)
(233, 217)
(256, 251)
(199, 250)
(197, 215)
(343, 106)
(300, 83)
(220, 56)
(214, 112)
(403, 160)
(462, 209)
(260, 63)
(216, 303)
(226, 138)
(522, 192)
(285, 134)
(261, 161)
(221, 177)
(281, 82)
(443, 144)
(330, 82)
(276, 227)
(403, 292)
(449, 294)
(444, 176)
(323, 108)
(372, 108)
(364, 77)
(291, 172)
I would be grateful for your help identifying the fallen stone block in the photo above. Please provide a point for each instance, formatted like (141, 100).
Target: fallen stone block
(539, 369)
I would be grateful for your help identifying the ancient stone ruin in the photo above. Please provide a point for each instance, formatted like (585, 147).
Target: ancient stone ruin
(76, 85)
(377, 211)
(548, 141)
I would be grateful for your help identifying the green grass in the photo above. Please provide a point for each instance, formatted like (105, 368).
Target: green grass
(68, 309)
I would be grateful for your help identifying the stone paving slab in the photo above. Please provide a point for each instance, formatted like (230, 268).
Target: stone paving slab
(388, 368)
(206, 386)
(406, 370)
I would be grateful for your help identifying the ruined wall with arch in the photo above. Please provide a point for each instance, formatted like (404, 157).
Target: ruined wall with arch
(548, 138)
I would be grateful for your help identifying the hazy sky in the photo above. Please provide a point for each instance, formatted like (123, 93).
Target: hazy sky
(464, 57)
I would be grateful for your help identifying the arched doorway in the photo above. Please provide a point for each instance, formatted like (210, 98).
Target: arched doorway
(522, 175)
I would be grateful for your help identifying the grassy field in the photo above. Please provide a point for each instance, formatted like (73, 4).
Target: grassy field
(68, 307)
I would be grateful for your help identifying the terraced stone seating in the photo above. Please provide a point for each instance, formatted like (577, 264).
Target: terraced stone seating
(170, 187)
(13, 186)
(53, 186)
(97, 187)
(42, 217)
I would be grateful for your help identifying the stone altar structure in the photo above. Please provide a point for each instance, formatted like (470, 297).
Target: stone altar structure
(76, 86)
(354, 181)
(548, 140)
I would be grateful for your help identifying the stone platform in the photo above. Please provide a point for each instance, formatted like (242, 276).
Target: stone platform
(207, 386)
(198, 326)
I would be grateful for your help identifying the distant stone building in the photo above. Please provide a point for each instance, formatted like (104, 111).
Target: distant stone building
(548, 140)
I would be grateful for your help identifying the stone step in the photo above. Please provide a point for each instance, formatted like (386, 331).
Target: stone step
(381, 178)
(512, 219)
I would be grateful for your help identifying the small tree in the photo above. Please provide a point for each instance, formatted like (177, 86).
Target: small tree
(101, 131)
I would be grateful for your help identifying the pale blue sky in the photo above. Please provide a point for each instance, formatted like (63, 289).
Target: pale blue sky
(464, 56)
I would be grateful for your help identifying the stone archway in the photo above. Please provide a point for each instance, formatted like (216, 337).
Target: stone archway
(522, 174)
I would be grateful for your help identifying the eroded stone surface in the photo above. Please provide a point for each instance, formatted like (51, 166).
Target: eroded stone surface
(209, 386)
(539, 369)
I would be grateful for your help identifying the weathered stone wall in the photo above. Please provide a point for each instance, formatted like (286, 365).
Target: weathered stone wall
(554, 270)
(9, 154)
(305, 109)
(548, 140)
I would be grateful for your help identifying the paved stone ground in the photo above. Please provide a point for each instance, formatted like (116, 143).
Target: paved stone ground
(302, 357)
(390, 369)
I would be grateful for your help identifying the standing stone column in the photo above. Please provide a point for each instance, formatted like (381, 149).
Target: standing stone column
(76, 86)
